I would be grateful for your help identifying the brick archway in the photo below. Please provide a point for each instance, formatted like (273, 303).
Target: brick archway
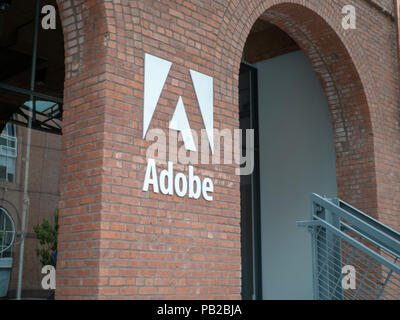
(340, 79)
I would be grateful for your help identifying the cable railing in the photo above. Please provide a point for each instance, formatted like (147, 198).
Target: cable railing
(355, 257)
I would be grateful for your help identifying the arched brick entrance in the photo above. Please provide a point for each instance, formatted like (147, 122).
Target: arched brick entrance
(344, 90)
(345, 62)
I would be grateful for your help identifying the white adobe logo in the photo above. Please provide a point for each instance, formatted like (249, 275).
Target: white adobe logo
(156, 71)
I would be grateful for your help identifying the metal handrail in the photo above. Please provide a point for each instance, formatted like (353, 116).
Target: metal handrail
(369, 226)
(371, 253)
(342, 234)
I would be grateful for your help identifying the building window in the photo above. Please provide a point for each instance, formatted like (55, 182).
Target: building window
(7, 233)
(8, 153)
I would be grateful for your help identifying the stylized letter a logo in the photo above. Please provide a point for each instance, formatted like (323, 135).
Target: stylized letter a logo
(156, 71)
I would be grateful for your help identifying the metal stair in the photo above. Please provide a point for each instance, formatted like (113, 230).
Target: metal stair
(355, 257)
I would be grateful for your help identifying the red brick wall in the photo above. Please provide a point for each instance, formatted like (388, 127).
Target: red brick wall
(119, 242)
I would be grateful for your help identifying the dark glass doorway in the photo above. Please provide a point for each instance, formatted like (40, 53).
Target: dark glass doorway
(250, 188)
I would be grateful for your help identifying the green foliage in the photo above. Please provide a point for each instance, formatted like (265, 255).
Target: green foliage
(47, 235)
